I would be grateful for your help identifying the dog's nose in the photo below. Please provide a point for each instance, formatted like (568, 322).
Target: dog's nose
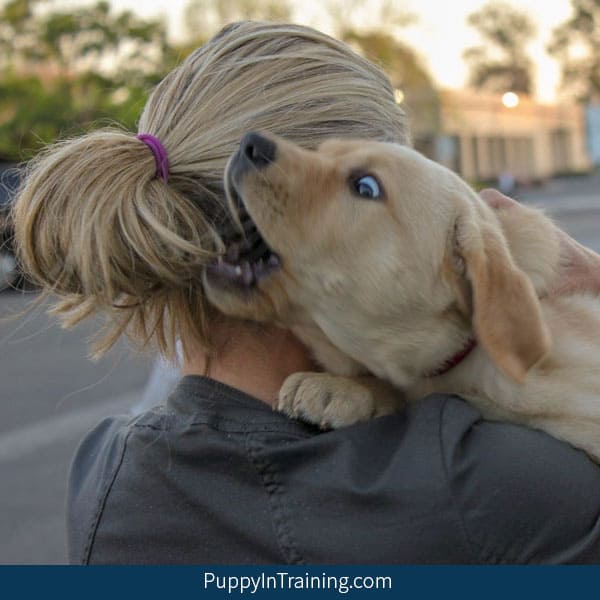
(258, 150)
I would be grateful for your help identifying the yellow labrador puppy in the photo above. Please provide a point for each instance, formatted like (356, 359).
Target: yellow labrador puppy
(393, 271)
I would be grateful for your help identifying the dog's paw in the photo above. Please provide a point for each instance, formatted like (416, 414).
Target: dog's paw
(326, 400)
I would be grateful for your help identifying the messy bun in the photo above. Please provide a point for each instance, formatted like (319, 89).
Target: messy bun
(96, 228)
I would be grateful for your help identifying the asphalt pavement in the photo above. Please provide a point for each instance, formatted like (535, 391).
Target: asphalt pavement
(574, 203)
(51, 393)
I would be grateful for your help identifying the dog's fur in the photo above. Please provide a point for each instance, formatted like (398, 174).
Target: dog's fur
(387, 290)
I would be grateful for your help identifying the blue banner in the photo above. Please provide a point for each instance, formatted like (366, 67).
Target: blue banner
(113, 583)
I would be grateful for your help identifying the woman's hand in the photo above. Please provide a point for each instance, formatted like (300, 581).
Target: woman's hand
(581, 266)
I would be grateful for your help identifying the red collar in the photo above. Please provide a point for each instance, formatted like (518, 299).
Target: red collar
(454, 360)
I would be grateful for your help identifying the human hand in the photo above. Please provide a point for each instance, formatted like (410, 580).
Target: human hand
(580, 266)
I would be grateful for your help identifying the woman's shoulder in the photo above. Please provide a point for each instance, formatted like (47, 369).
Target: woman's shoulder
(523, 496)
(438, 484)
(433, 484)
(94, 466)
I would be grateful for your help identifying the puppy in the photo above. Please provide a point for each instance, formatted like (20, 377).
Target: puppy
(399, 277)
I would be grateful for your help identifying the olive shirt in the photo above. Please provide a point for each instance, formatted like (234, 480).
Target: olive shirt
(216, 476)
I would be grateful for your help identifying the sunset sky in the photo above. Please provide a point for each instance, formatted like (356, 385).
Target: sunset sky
(440, 34)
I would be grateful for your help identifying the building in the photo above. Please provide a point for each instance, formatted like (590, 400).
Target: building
(593, 132)
(481, 137)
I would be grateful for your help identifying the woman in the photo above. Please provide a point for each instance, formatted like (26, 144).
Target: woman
(125, 226)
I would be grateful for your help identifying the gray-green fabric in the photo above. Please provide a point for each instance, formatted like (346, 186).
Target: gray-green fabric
(216, 476)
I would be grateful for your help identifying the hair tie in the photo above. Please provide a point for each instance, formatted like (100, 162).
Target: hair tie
(160, 154)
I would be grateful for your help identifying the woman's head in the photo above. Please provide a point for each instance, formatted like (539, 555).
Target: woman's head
(95, 226)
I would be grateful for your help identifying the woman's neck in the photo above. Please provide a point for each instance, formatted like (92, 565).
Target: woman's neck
(253, 359)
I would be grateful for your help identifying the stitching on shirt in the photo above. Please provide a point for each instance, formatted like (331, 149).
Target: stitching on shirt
(471, 543)
(102, 503)
(273, 487)
(240, 427)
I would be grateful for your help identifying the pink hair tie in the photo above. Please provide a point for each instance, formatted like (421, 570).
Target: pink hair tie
(160, 154)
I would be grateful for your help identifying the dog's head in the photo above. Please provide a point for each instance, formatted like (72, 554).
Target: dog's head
(368, 237)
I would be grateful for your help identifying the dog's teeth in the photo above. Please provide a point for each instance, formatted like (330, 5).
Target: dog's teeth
(273, 261)
(247, 274)
(258, 268)
(226, 270)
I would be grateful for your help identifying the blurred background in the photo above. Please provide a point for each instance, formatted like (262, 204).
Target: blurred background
(505, 93)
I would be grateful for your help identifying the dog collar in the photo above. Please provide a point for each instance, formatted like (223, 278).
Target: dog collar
(454, 360)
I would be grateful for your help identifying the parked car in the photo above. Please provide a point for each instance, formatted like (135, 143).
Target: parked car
(9, 272)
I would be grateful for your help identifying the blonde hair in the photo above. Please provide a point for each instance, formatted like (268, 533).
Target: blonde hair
(96, 228)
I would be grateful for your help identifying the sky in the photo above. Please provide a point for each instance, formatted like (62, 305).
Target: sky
(440, 33)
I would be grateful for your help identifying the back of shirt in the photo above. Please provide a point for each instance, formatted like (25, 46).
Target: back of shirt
(219, 477)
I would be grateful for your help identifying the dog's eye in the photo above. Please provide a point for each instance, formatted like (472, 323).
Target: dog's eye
(367, 187)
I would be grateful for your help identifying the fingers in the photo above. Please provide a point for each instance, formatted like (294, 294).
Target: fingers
(496, 199)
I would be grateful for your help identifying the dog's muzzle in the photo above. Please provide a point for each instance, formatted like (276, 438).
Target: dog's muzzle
(248, 258)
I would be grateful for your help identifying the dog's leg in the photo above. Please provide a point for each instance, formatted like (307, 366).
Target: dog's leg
(332, 401)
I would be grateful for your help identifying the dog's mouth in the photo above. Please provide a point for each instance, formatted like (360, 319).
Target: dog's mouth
(247, 259)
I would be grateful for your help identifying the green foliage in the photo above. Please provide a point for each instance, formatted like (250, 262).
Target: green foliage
(61, 72)
(501, 64)
(398, 60)
(576, 45)
(34, 113)
(204, 18)
(367, 15)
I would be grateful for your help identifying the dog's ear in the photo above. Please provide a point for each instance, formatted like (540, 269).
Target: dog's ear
(506, 312)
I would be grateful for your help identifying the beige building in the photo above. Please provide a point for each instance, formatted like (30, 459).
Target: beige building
(480, 137)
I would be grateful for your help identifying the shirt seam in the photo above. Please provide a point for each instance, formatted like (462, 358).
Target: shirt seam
(211, 388)
(102, 503)
(475, 549)
(274, 490)
(240, 427)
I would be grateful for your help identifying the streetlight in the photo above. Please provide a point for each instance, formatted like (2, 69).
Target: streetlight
(510, 100)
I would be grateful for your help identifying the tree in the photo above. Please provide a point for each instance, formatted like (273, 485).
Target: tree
(61, 72)
(378, 39)
(501, 64)
(89, 39)
(397, 59)
(576, 45)
(384, 16)
(205, 17)
(411, 80)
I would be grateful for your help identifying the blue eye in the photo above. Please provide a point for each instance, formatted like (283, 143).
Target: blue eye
(367, 187)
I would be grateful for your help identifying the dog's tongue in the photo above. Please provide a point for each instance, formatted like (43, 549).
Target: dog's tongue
(244, 274)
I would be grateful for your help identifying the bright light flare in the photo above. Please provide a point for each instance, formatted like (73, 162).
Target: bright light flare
(510, 100)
